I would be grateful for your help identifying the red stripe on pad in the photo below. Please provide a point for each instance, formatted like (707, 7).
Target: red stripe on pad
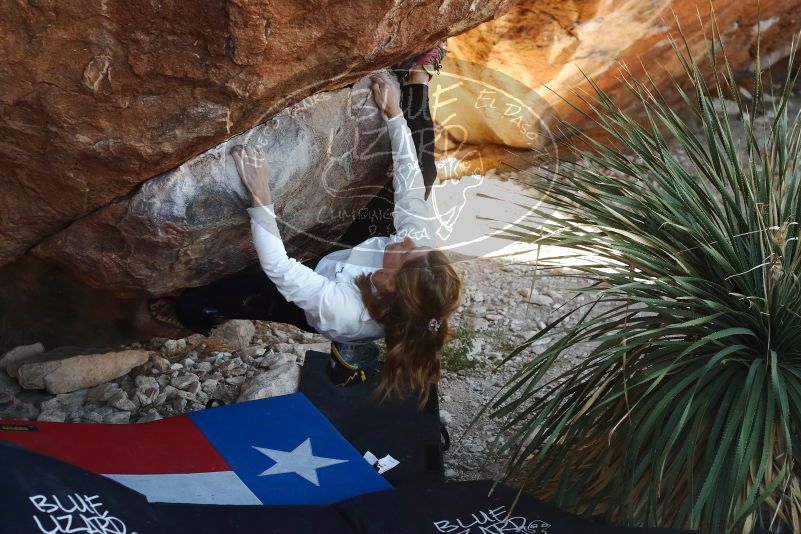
(173, 445)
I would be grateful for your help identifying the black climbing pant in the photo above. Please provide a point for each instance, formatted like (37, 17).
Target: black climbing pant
(252, 295)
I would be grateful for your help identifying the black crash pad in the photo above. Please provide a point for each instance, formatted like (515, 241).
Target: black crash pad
(41, 494)
(395, 427)
(467, 508)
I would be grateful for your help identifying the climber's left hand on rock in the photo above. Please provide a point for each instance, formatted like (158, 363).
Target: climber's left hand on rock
(251, 164)
(386, 97)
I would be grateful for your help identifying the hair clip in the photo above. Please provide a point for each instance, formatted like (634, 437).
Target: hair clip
(433, 325)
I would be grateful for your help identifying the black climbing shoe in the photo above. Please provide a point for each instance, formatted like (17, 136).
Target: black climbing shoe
(352, 362)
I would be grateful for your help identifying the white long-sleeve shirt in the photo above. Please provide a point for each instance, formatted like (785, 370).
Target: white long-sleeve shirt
(327, 294)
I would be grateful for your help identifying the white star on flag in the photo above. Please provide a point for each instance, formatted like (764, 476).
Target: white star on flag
(300, 461)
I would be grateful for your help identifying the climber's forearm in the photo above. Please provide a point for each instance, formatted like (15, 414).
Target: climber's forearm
(261, 197)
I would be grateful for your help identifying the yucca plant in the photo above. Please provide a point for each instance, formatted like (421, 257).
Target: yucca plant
(686, 411)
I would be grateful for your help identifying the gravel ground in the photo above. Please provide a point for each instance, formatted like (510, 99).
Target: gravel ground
(505, 304)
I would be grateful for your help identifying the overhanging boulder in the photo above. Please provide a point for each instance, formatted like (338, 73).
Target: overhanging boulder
(328, 155)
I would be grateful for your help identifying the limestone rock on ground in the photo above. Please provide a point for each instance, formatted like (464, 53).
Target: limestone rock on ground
(7, 384)
(235, 333)
(280, 380)
(61, 406)
(58, 372)
(12, 359)
(299, 349)
(13, 408)
(158, 388)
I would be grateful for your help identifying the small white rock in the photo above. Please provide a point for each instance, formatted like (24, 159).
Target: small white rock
(118, 418)
(541, 300)
(210, 385)
(145, 381)
(121, 401)
(235, 380)
(52, 417)
(151, 415)
(185, 381)
(446, 417)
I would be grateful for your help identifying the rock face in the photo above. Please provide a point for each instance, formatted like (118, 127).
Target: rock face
(496, 74)
(100, 96)
(328, 155)
(39, 302)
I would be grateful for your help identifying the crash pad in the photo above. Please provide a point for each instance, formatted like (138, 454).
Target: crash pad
(41, 494)
(395, 427)
(279, 450)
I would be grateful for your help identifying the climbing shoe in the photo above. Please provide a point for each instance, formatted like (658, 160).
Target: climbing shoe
(162, 310)
(353, 362)
(430, 60)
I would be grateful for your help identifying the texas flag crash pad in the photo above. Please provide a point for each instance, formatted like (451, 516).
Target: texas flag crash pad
(42, 495)
(278, 451)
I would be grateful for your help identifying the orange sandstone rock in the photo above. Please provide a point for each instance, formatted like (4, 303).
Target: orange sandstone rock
(525, 60)
(98, 97)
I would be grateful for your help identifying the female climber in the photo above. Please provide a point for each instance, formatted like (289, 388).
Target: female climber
(397, 285)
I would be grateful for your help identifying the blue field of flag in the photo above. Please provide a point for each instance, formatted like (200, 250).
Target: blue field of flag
(286, 452)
